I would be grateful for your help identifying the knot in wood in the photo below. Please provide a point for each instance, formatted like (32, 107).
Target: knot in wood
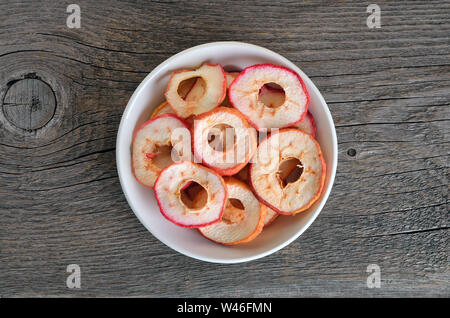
(29, 103)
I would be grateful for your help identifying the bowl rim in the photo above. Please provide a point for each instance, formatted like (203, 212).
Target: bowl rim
(327, 190)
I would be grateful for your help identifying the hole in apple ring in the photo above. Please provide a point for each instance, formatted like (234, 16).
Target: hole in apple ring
(289, 171)
(271, 95)
(192, 88)
(222, 137)
(234, 211)
(161, 156)
(190, 191)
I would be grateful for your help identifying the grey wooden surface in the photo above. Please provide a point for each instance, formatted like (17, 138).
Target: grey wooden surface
(388, 90)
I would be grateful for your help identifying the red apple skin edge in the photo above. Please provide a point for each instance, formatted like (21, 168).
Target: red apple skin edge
(199, 225)
(311, 202)
(145, 124)
(226, 172)
(223, 172)
(281, 67)
(224, 86)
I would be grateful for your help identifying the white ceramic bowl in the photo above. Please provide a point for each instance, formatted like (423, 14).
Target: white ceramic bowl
(150, 93)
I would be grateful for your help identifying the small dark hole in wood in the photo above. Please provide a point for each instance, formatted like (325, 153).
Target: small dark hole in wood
(351, 152)
(31, 76)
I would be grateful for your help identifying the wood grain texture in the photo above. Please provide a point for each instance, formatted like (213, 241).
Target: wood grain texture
(29, 103)
(388, 90)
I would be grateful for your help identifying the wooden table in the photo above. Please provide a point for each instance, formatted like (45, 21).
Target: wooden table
(63, 92)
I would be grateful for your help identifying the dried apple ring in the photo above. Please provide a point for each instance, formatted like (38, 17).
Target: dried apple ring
(243, 218)
(298, 195)
(152, 146)
(244, 96)
(168, 192)
(231, 156)
(188, 89)
(214, 93)
(274, 97)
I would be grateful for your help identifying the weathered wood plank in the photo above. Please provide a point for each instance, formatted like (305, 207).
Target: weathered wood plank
(388, 91)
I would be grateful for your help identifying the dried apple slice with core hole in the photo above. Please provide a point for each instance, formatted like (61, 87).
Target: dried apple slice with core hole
(243, 218)
(308, 126)
(214, 93)
(195, 93)
(152, 147)
(291, 197)
(189, 90)
(244, 96)
(274, 97)
(285, 171)
(169, 188)
(235, 151)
